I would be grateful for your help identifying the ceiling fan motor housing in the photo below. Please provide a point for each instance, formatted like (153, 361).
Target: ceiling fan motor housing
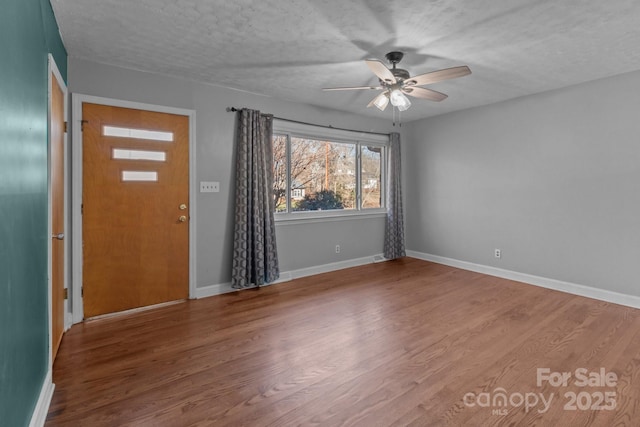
(399, 73)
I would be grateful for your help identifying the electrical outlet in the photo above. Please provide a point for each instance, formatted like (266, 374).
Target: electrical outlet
(497, 253)
(337, 249)
(209, 187)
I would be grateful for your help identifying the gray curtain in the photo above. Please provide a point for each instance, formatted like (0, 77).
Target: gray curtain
(394, 229)
(255, 257)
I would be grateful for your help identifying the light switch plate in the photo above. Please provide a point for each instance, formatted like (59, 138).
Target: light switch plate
(209, 186)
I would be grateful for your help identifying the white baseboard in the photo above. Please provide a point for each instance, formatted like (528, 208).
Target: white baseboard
(212, 290)
(544, 282)
(334, 266)
(44, 400)
(223, 288)
(133, 310)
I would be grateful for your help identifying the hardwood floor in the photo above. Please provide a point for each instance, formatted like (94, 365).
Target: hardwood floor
(399, 343)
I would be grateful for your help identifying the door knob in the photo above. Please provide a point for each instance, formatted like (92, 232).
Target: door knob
(182, 218)
(59, 236)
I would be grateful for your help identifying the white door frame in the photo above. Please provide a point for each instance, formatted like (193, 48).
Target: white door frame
(53, 69)
(76, 191)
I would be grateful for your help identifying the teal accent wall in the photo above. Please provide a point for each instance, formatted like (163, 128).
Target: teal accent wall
(28, 32)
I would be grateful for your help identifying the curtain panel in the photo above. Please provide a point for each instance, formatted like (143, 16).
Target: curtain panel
(255, 257)
(394, 227)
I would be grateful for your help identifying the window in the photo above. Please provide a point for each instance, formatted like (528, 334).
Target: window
(137, 133)
(371, 176)
(149, 176)
(126, 154)
(323, 169)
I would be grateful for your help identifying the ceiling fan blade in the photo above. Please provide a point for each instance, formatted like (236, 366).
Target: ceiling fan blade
(381, 70)
(438, 76)
(420, 92)
(352, 88)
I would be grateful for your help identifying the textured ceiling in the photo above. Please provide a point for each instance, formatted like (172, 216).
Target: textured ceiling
(291, 49)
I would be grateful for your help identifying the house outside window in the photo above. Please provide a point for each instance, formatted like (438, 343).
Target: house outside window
(297, 193)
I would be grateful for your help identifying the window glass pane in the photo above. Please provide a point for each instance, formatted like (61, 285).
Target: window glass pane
(371, 176)
(120, 153)
(280, 172)
(137, 133)
(323, 175)
(139, 176)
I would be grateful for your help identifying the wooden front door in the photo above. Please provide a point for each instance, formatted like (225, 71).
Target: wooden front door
(56, 129)
(135, 222)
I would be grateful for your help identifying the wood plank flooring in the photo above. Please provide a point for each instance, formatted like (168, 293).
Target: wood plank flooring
(398, 343)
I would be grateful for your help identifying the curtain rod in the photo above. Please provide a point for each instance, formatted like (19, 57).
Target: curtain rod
(234, 109)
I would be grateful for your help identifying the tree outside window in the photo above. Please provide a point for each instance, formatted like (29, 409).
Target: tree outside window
(312, 174)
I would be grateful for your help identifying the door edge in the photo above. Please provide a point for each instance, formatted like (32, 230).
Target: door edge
(52, 69)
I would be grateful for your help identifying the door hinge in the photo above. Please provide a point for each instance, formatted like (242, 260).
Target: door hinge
(82, 209)
(82, 122)
(82, 291)
(66, 293)
(65, 127)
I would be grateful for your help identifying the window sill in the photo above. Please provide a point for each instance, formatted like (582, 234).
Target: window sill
(326, 216)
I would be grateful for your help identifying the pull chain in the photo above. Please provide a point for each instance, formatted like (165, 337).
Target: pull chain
(399, 117)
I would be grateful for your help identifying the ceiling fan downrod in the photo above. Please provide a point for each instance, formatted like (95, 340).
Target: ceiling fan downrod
(394, 58)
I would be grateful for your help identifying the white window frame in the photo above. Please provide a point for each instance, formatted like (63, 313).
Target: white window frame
(320, 133)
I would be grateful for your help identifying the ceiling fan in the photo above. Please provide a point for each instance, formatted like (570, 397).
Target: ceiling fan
(396, 83)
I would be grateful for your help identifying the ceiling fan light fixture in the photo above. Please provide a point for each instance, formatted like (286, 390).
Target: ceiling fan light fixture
(381, 101)
(399, 100)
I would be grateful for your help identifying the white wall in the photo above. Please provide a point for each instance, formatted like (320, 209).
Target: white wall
(299, 245)
(551, 179)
